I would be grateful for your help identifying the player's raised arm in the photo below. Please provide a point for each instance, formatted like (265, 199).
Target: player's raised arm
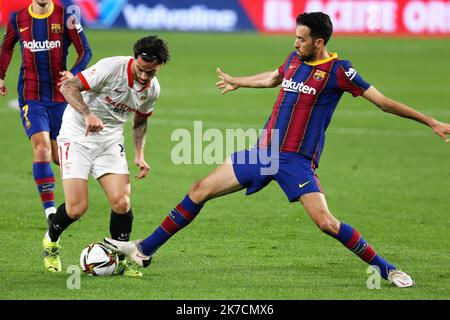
(267, 79)
(65, 75)
(71, 90)
(388, 105)
(79, 40)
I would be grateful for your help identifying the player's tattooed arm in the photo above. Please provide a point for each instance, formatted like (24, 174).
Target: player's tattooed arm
(139, 138)
(139, 133)
(71, 90)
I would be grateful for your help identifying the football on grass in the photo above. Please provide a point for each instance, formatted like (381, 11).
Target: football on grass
(98, 260)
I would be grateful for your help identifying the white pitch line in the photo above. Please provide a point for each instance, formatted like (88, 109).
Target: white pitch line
(382, 132)
(253, 109)
(12, 105)
(201, 91)
(333, 130)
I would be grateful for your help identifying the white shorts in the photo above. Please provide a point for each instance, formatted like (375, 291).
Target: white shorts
(77, 161)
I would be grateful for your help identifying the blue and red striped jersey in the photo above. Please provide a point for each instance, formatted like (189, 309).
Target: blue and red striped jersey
(308, 97)
(44, 42)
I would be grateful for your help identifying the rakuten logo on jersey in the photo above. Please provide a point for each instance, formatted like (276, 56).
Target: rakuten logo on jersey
(37, 46)
(292, 86)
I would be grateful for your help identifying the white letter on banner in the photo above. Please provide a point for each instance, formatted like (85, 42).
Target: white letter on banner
(415, 16)
(278, 15)
(438, 17)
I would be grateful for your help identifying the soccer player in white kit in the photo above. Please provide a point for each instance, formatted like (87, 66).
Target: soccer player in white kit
(91, 139)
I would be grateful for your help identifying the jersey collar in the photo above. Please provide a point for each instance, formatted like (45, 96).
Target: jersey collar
(41, 16)
(333, 55)
(146, 86)
(130, 73)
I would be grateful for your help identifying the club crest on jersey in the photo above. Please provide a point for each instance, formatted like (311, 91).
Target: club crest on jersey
(56, 27)
(319, 75)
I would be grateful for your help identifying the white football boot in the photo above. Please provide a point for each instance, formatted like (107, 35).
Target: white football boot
(129, 248)
(400, 279)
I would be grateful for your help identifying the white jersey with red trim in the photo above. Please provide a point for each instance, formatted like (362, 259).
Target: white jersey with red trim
(111, 94)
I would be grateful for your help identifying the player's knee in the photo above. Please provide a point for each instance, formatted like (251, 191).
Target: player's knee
(42, 152)
(199, 192)
(325, 226)
(121, 204)
(76, 210)
(328, 225)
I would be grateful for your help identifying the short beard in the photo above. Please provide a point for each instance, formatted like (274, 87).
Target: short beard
(42, 5)
(306, 58)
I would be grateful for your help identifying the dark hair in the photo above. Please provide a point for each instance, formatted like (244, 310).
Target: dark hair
(151, 48)
(319, 23)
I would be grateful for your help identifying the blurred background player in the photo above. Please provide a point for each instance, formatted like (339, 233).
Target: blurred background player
(45, 33)
(312, 82)
(91, 140)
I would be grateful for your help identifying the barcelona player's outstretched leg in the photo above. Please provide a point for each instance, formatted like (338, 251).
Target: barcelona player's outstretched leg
(316, 206)
(220, 182)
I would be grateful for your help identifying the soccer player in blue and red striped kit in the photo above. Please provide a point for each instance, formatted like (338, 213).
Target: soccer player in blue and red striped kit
(312, 82)
(45, 32)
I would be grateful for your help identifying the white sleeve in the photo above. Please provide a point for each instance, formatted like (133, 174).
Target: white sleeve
(98, 75)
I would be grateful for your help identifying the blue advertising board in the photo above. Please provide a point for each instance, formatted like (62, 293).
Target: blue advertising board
(177, 15)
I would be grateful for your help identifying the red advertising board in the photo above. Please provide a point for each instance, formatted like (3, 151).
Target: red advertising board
(9, 6)
(363, 17)
(391, 17)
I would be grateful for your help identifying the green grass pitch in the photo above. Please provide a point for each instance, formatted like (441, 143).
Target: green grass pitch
(386, 176)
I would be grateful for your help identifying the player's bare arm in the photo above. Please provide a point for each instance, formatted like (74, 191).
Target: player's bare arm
(388, 105)
(268, 79)
(65, 75)
(3, 90)
(71, 90)
(139, 137)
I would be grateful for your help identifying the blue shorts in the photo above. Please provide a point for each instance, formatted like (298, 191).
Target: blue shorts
(42, 116)
(294, 172)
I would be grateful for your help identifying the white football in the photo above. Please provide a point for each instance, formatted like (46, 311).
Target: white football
(97, 260)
